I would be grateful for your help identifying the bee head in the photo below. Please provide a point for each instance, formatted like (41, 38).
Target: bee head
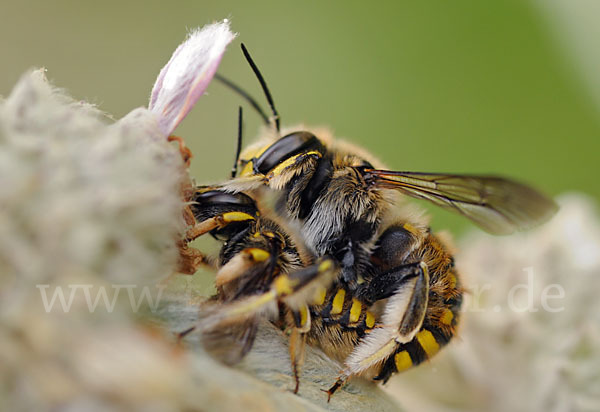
(286, 148)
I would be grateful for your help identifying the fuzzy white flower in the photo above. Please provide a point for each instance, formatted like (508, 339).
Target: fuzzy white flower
(91, 211)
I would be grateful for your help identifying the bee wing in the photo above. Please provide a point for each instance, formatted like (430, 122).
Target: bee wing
(230, 343)
(499, 206)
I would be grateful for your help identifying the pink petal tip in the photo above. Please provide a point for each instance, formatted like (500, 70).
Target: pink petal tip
(187, 74)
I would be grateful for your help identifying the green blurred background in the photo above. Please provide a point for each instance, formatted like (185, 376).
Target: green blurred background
(504, 87)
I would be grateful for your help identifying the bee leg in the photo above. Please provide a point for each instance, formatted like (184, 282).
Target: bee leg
(183, 334)
(301, 322)
(216, 222)
(386, 284)
(186, 153)
(240, 264)
(304, 286)
(295, 290)
(298, 290)
(297, 342)
(190, 258)
(338, 384)
(402, 318)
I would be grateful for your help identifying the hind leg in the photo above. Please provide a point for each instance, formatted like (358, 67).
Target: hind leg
(402, 319)
(300, 323)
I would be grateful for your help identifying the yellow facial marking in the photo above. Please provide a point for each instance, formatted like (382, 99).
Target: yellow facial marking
(205, 189)
(370, 320)
(258, 255)
(355, 310)
(338, 302)
(283, 285)
(236, 217)
(248, 169)
(289, 162)
(319, 298)
(255, 153)
(447, 317)
(428, 342)
(403, 361)
(286, 163)
(250, 156)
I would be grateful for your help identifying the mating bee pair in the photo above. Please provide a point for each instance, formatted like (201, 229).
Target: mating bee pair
(335, 258)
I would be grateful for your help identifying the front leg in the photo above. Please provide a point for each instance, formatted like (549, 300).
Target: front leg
(217, 212)
(350, 249)
(190, 259)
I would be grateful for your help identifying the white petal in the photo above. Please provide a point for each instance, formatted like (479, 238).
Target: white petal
(187, 74)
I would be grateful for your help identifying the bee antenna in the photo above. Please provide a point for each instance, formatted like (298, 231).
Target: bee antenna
(239, 144)
(244, 95)
(263, 84)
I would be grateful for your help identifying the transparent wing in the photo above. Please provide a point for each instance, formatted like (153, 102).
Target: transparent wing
(499, 206)
(231, 343)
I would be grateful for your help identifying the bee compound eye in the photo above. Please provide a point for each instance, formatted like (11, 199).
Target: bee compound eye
(284, 148)
(217, 197)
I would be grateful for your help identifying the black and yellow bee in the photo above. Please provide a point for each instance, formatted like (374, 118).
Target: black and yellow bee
(316, 236)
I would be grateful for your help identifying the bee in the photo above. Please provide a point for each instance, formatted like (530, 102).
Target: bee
(335, 257)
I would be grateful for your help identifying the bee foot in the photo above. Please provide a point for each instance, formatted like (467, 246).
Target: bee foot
(338, 384)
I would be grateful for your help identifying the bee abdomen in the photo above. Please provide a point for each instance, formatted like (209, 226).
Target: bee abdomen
(435, 333)
(338, 306)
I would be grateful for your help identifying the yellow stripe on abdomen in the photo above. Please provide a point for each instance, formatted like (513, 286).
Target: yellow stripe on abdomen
(355, 310)
(447, 317)
(403, 361)
(428, 342)
(338, 302)
(369, 320)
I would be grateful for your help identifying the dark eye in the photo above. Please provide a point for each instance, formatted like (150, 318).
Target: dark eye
(286, 147)
(216, 197)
